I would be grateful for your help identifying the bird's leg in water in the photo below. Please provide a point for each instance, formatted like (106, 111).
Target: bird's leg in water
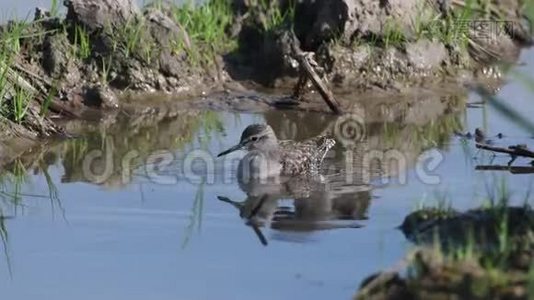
(259, 234)
(257, 208)
(235, 204)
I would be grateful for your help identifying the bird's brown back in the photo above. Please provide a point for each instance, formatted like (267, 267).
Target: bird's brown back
(302, 157)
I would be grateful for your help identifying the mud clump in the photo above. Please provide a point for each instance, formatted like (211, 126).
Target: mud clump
(101, 96)
(481, 226)
(109, 13)
(133, 49)
(479, 254)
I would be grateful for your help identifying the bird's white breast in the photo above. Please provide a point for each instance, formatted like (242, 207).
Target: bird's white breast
(257, 166)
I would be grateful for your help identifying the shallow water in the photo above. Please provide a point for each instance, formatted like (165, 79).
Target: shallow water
(152, 229)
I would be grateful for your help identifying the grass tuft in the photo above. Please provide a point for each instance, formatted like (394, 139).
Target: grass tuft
(132, 33)
(206, 26)
(20, 104)
(54, 8)
(106, 64)
(14, 99)
(52, 93)
(392, 34)
(276, 17)
(82, 42)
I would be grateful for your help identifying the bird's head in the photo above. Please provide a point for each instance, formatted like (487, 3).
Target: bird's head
(259, 137)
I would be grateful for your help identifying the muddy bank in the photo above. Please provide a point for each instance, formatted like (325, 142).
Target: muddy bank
(479, 254)
(92, 61)
(90, 57)
(363, 44)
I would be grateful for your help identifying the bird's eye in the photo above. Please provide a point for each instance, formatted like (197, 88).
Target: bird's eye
(254, 138)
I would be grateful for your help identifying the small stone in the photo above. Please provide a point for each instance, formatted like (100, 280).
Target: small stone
(426, 55)
(102, 97)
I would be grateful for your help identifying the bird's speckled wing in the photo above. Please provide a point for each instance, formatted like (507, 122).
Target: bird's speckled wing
(303, 157)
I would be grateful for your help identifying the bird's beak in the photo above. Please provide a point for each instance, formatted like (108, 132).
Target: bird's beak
(234, 148)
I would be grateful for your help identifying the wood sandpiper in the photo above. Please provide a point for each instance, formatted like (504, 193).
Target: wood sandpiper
(268, 157)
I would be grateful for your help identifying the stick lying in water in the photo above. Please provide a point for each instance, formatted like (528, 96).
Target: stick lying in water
(513, 151)
(513, 170)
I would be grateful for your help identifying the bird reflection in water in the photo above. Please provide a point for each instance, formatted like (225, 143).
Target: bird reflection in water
(315, 203)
